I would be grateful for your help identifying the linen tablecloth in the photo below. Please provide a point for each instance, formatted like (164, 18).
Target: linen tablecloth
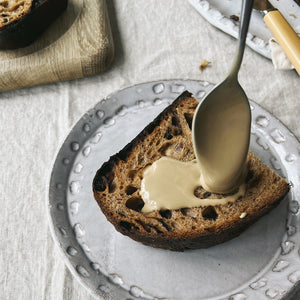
(154, 40)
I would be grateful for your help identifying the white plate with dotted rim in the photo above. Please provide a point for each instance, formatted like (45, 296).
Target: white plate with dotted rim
(262, 262)
(218, 14)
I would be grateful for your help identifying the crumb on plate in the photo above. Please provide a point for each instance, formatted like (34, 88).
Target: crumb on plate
(235, 18)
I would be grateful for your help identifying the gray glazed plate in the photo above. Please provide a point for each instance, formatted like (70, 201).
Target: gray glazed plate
(263, 262)
(218, 12)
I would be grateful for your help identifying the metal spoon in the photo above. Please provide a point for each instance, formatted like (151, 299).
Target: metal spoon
(221, 125)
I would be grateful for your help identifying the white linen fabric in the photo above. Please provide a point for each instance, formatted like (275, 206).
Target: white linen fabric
(154, 40)
(279, 58)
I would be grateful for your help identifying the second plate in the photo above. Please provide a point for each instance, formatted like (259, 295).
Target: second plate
(221, 14)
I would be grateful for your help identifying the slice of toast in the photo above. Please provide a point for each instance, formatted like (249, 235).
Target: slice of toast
(22, 21)
(117, 185)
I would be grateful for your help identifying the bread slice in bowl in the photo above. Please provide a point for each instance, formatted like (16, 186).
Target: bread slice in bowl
(22, 21)
(117, 187)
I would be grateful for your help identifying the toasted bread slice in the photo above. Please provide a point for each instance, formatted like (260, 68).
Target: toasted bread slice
(117, 185)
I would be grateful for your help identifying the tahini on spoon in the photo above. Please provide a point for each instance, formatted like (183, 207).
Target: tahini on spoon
(221, 125)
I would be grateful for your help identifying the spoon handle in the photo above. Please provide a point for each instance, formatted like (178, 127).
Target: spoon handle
(245, 19)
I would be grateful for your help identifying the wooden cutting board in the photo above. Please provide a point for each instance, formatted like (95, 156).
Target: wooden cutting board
(78, 44)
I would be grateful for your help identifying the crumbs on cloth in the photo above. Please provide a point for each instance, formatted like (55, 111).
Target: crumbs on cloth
(203, 65)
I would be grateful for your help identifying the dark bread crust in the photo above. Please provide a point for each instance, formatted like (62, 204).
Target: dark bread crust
(26, 29)
(198, 241)
(117, 183)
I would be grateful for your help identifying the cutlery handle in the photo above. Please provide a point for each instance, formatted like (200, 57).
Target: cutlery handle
(285, 35)
(245, 20)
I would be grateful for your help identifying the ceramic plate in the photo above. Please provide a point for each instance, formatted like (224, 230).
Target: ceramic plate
(262, 262)
(218, 13)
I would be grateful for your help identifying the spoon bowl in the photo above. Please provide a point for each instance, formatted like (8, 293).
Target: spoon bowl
(221, 126)
(221, 140)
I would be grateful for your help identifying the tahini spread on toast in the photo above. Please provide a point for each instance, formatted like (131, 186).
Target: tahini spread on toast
(170, 184)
